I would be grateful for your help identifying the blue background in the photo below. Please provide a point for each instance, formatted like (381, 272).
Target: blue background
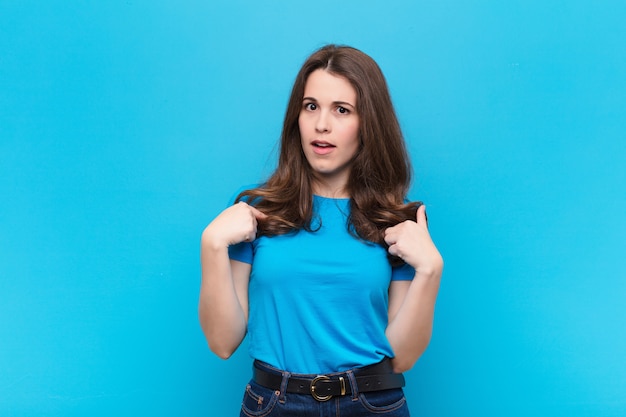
(125, 126)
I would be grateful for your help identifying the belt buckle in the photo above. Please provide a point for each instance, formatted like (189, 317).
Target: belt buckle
(315, 394)
(326, 397)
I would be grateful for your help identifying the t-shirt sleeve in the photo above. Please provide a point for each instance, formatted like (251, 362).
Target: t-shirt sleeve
(402, 273)
(241, 252)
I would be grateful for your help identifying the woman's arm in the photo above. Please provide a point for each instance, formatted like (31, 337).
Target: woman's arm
(412, 303)
(223, 305)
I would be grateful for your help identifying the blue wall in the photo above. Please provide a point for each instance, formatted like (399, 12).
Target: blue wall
(125, 126)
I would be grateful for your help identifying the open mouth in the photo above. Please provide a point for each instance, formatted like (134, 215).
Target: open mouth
(322, 145)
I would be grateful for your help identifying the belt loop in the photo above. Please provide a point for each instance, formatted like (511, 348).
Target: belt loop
(353, 386)
(283, 387)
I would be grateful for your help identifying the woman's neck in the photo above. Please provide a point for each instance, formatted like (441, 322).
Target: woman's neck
(324, 189)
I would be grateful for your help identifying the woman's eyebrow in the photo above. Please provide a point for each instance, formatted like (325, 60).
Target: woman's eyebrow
(336, 102)
(343, 103)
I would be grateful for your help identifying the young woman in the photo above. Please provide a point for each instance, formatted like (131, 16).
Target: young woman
(326, 266)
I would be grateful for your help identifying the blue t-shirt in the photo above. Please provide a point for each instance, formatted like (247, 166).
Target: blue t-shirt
(318, 300)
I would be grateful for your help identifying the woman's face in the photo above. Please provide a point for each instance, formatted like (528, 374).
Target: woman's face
(329, 127)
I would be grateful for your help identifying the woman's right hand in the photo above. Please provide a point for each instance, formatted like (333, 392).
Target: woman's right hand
(236, 224)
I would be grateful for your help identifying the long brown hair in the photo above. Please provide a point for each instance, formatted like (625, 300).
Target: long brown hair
(380, 173)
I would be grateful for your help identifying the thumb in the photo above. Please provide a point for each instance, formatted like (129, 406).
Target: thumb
(420, 216)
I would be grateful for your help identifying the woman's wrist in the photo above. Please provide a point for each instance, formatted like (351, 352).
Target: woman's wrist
(431, 271)
(212, 242)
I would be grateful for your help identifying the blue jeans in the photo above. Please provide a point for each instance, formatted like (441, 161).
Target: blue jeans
(259, 401)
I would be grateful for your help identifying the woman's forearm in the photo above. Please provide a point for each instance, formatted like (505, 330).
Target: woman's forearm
(223, 299)
(410, 329)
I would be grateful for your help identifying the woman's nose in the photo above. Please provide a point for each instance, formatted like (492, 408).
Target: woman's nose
(322, 124)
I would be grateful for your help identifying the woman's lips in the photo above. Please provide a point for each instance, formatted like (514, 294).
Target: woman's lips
(321, 147)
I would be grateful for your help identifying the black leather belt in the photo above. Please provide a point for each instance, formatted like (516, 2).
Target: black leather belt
(375, 377)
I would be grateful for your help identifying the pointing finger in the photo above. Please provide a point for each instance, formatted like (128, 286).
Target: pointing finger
(390, 235)
(259, 215)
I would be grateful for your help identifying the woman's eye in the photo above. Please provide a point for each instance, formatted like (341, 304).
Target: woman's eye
(310, 106)
(342, 110)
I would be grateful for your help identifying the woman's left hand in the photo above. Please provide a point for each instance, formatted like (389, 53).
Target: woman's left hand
(411, 242)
